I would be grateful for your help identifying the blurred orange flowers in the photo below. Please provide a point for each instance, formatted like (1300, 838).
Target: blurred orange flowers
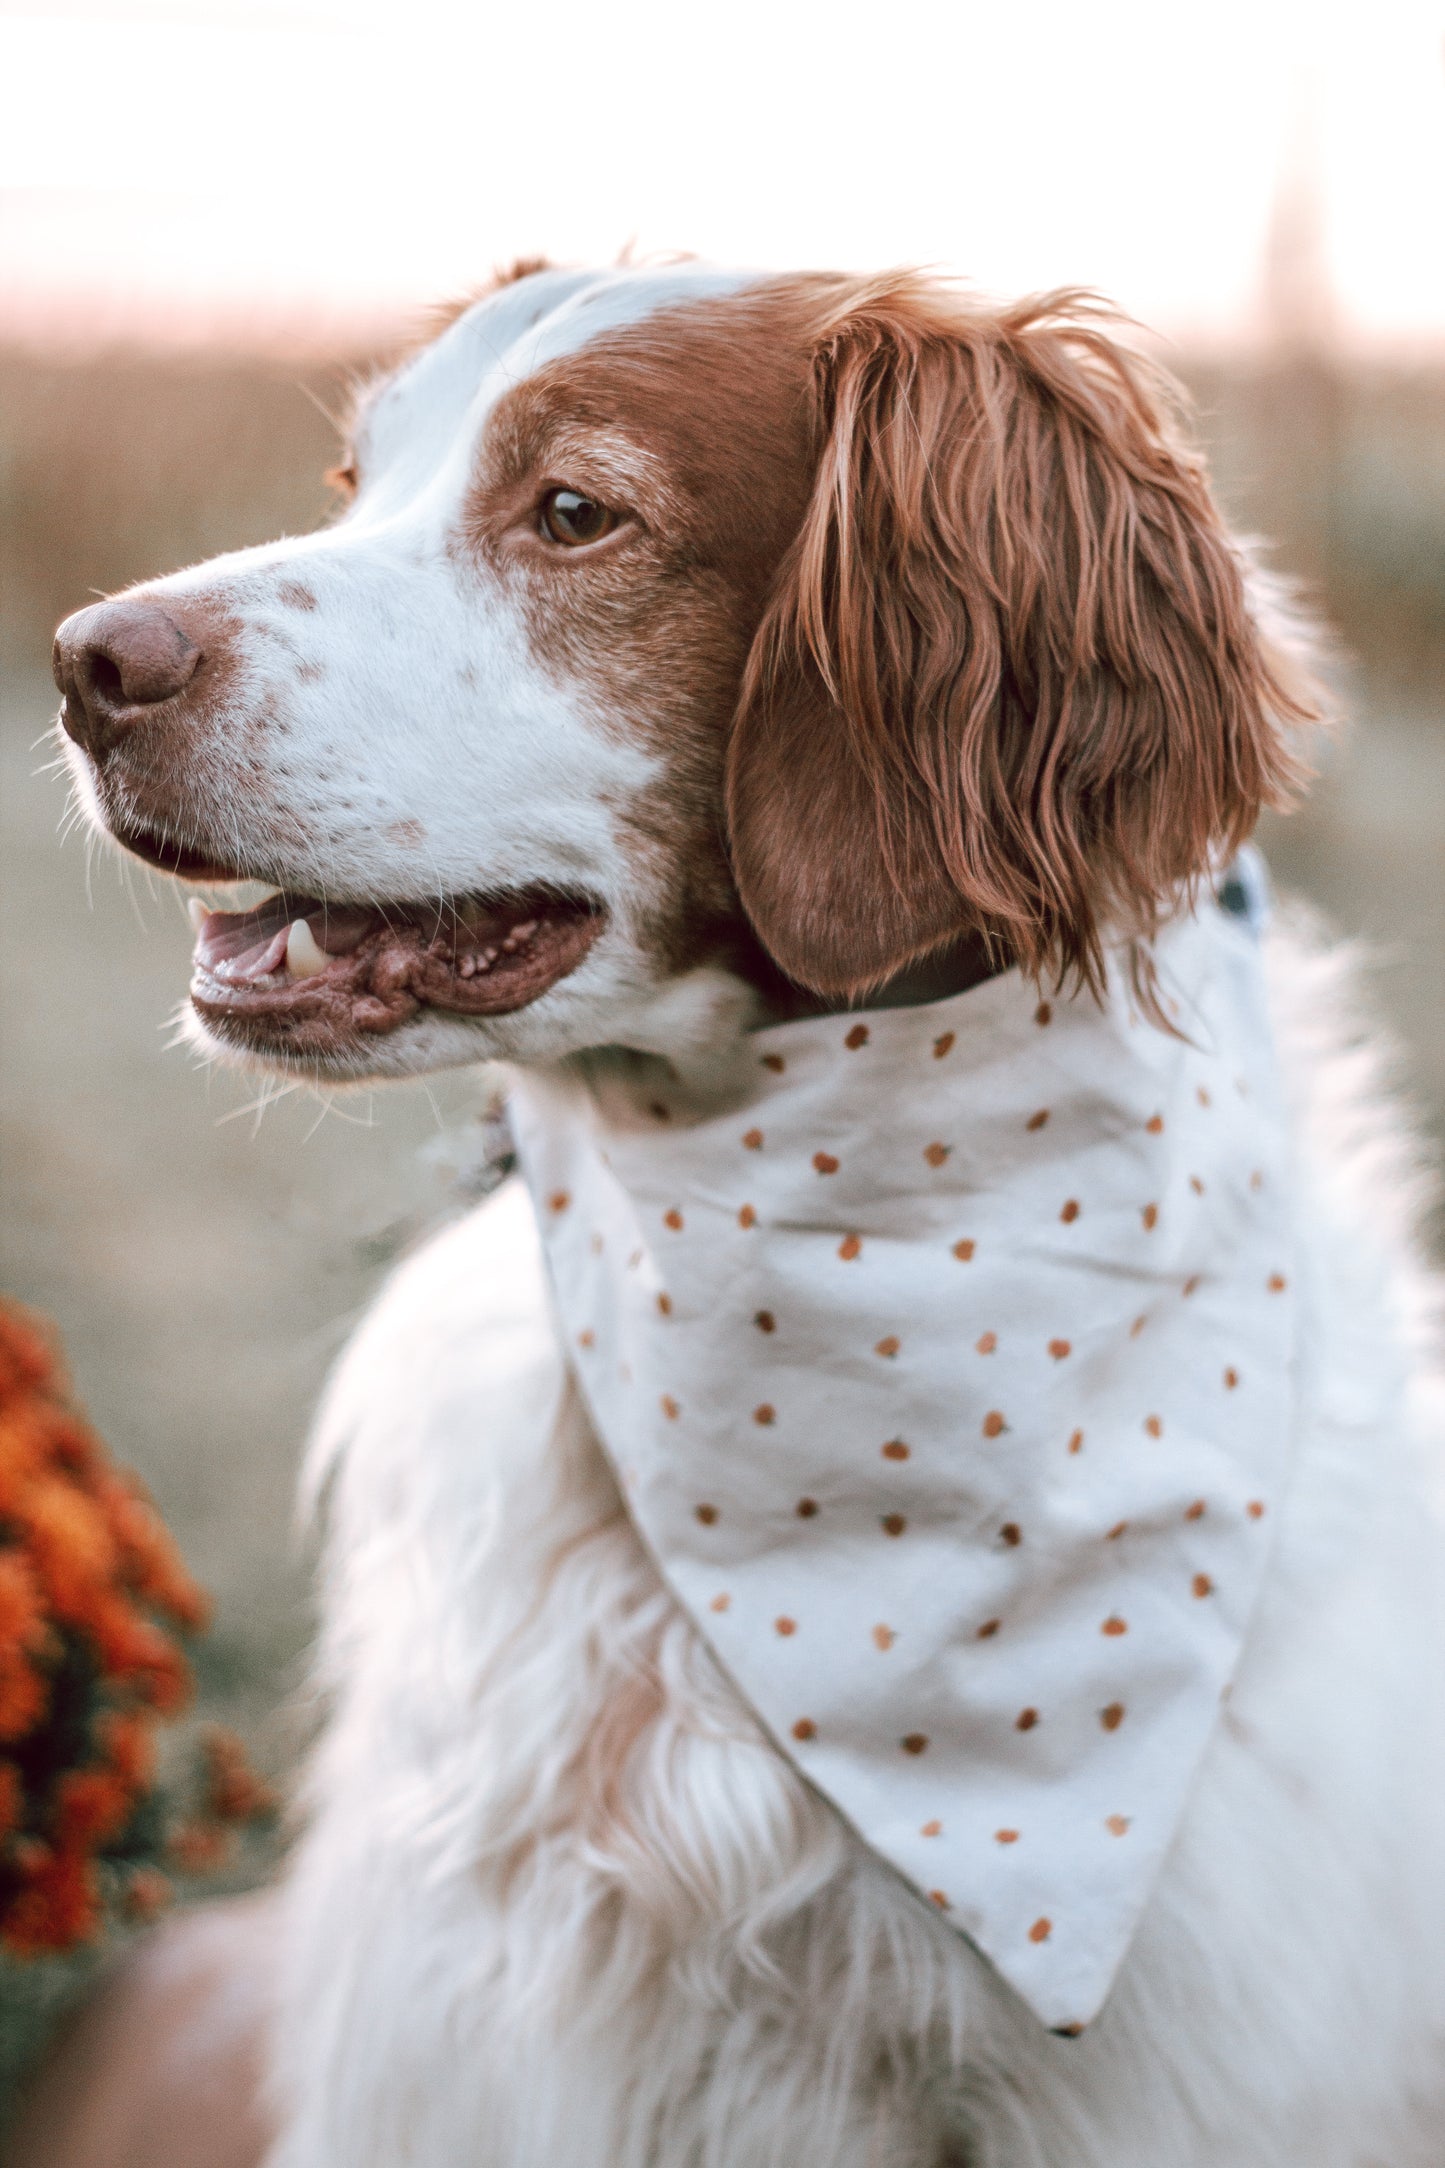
(92, 1595)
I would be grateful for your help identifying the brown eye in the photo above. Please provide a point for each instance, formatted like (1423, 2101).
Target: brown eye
(572, 519)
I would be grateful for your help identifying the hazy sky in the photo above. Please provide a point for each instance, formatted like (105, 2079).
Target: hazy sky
(269, 159)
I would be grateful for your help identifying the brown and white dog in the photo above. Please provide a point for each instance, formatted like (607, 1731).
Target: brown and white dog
(697, 649)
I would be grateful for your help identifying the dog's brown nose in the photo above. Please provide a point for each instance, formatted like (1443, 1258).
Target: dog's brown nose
(113, 662)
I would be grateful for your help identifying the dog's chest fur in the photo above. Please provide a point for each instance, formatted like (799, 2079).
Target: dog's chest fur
(586, 1912)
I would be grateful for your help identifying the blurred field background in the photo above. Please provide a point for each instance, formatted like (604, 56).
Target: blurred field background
(204, 1260)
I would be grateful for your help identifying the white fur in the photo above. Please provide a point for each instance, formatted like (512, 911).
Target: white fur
(500, 1956)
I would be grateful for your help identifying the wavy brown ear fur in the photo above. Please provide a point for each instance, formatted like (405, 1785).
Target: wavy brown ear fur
(1008, 681)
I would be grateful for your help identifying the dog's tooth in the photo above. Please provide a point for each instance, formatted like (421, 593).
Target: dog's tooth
(304, 953)
(489, 957)
(525, 931)
(198, 913)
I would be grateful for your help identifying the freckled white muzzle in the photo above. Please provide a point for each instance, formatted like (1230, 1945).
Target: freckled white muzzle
(946, 1359)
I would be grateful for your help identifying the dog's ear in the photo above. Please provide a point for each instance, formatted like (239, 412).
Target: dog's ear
(1008, 681)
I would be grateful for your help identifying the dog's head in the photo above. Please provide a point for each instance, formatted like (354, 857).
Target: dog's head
(690, 637)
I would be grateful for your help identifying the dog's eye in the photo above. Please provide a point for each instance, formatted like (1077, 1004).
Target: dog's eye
(572, 519)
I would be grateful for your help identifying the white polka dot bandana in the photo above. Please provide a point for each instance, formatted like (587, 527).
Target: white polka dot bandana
(945, 1357)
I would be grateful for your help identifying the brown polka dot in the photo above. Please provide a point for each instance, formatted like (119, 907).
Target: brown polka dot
(1150, 1217)
(1011, 1534)
(1043, 1014)
(936, 1154)
(888, 1345)
(1041, 1930)
(1196, 1511)
(752, 1140)
(884, 1638)
(1154, 1426)
(1137, 1327)
(893, 1524)
(634, 1260)
(664, 1304)
(806, 1508)
(1255, 1509)
(747, 1217)
(988, 1629)
(1256, 1180)
(1231, 1379)
(857, 1037)
(785, 1626)
(805, 1728)
(587, 1338)
(986, 1343)
(559, 1200)
(1119, 1528)
(720, 1602)
(931, 1829)
(825, 1163)
(915, 1743)
(669, 1407)
(850, 1247)
(943, 1044)
(1037, 1121)
(994, 1425)
(895, 1449)
(775, 1062)
(1190, 1285)
(659, 1112)
(963, 1251)
(1117, 1824)
(1060, 1348)
(1276, 1283)
(596, 1245)
(1155, 1125)
(1005, 1836)
(672, 1218)
(1026, 1719)
(765, 1321)
(1112, 1717)
(1196, 1185)
(1076, 1442)
(937, 1897)
(706, 1514)
(765, 1414)
(1201, 1585)
(1203, 1096)
(1114, 1625)
(1070, 1211)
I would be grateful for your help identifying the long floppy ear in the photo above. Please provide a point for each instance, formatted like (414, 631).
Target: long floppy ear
(1008, 681)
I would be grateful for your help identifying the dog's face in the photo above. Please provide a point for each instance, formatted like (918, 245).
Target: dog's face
(687, 636)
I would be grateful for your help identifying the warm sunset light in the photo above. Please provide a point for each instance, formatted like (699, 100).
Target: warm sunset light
(168, 162)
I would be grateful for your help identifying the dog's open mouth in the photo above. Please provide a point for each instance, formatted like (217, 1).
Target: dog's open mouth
(306, 977)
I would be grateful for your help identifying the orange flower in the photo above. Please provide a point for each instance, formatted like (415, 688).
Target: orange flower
(234, 1793)
(92, 1806)
(58, 1904)
(201, 1847)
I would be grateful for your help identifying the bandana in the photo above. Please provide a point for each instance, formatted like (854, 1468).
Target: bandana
(945, 1357)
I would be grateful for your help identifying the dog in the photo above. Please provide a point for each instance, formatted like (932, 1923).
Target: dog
(697, 652)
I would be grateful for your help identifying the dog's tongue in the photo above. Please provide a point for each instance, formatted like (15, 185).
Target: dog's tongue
(240, 946)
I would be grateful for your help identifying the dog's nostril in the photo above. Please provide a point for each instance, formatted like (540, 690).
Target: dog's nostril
(106, 679)
(115, 660)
